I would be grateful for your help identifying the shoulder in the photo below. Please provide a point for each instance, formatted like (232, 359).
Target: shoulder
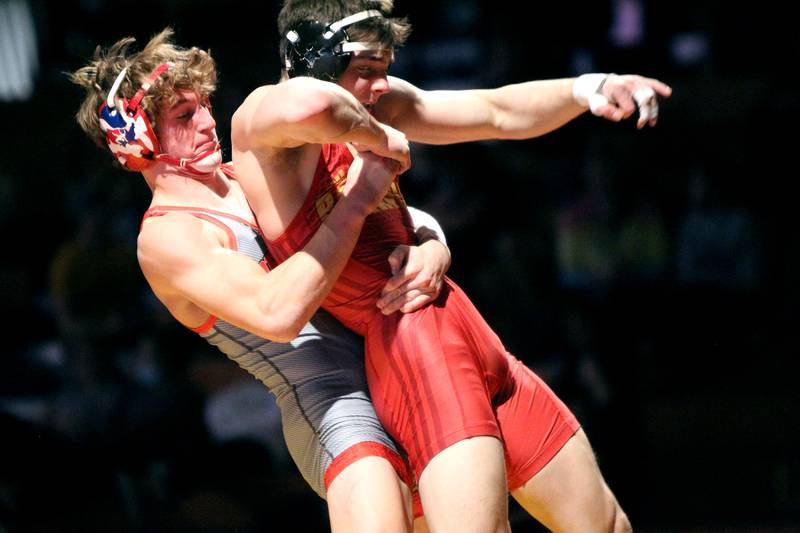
(401, 87)
(174, 241)
(401, 99)
(252, 99)
(244, 113)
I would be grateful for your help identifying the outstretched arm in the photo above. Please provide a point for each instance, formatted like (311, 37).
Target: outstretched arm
(518, 111)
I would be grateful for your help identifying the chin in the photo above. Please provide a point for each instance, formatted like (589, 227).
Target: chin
(209, 164)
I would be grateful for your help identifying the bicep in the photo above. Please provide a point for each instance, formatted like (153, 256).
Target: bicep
(230, 286)
(286, 115)
(187, 260)
(441, 117)
(259, 122)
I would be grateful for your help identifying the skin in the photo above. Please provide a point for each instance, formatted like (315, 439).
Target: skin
(191, 269)
(276, 148)
(186, 129)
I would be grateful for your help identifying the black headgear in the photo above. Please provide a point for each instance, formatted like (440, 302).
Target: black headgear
(322, 51)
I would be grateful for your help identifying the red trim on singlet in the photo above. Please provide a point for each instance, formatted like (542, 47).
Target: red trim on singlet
(205, 326)
(158, 210)
(368, 449)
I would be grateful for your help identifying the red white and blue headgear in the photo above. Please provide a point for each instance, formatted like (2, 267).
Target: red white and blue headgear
(131, 138)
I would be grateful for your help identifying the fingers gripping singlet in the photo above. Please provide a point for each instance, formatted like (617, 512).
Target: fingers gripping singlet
(317, 379)
(440, 374)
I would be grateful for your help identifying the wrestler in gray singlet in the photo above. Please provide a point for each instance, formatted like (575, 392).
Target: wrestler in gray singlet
(317, 379)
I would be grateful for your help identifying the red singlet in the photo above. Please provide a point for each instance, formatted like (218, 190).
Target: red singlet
(438, 375)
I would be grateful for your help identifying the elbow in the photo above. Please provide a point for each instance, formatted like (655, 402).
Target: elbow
(291, 331)
(284, 336)
(283, 326)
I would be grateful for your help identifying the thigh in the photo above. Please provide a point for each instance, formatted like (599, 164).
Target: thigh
(428, 384)
(569, 493)
(329, 421)
(368, 496)
(534, 423)
(463, 488)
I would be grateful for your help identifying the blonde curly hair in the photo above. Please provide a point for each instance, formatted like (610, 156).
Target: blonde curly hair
(193, 69)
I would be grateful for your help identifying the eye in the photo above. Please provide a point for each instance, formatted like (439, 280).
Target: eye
(186, 112)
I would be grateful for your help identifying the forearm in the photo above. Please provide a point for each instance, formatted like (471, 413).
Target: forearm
(518, 111)
(533, 108)
(300, 284)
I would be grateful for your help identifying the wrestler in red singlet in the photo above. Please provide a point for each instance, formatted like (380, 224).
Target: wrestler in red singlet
(440, 374)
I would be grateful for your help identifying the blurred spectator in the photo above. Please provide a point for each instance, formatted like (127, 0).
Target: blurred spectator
(718, 245)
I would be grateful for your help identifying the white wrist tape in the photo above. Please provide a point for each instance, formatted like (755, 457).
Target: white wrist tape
(586, 91)
(647, 102)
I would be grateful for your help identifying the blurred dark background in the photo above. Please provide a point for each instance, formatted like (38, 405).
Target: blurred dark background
(651, 277)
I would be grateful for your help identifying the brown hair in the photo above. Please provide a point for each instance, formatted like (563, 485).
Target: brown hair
(193, 69)
(389, 32)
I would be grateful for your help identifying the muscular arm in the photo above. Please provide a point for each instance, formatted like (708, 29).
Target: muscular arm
(308, 111)
(518, 111)
(187, 262)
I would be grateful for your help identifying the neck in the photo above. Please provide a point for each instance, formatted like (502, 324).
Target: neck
(172, 187)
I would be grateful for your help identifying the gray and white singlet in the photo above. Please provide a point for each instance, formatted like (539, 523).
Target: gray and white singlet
(317, 379)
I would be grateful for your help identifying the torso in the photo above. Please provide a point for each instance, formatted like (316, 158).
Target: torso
(276, 177)
(165, 205)
(352, 299)
(275, 201)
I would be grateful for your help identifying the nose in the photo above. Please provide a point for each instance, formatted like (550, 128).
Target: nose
(207, 119)
(380, 86)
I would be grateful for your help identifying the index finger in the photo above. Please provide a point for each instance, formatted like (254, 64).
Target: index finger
(659, 86)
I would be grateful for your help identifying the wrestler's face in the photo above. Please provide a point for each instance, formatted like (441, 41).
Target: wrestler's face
(365, 77)
(187, 128)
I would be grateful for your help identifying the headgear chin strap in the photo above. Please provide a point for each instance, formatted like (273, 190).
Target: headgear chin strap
(131, 138)
(199, 165)
(319, 51)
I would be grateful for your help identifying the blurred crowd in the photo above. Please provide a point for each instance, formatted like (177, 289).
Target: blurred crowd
(649, 276)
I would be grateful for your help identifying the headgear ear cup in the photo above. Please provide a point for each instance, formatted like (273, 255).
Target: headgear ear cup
(129, 135)
(317, 50)
(309, 53)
